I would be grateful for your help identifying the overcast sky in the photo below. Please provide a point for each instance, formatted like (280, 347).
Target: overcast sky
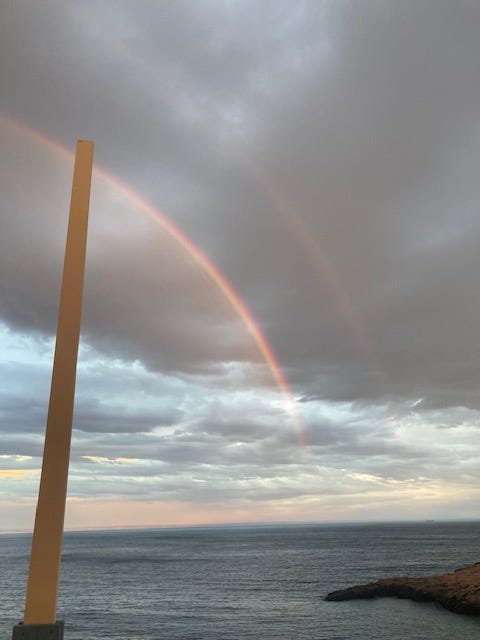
(276, 182)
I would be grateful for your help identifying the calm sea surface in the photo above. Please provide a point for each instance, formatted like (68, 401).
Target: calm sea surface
(245, 582)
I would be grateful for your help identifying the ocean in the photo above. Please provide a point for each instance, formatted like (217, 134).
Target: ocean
(253, 582)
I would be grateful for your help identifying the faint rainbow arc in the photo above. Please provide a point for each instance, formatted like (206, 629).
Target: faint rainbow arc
(316, 255)
(199, 257)
(320, 261)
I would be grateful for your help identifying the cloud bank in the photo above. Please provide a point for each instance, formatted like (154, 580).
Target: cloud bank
(324, 157)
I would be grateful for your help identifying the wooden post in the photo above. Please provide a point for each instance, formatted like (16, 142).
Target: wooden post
(42, 588)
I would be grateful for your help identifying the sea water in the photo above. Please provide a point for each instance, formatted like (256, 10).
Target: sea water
(255, 582)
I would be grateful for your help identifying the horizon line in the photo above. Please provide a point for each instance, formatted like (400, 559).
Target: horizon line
(259, 523)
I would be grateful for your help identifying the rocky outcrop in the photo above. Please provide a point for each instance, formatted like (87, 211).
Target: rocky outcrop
(458, 591)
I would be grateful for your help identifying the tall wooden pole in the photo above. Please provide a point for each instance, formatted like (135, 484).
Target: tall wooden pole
(42, 588)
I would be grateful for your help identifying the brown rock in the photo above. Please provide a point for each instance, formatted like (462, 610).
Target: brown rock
(458, 591)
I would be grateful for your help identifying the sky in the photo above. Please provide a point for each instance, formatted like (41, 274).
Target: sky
(281, 316)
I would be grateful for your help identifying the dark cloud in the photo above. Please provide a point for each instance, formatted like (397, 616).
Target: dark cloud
(324, 155)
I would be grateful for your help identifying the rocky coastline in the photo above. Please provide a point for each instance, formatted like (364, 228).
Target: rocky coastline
(458, 591)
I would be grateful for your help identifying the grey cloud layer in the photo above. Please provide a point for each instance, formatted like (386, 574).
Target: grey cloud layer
(325, 156)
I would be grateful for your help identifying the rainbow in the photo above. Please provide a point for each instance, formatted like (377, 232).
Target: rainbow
(203, 261)
(314, 253)
(320, 262)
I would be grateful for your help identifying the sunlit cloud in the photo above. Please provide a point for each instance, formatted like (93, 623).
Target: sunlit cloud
(110, 460)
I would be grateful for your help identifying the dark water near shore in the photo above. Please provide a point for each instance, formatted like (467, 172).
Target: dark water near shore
(245, 582)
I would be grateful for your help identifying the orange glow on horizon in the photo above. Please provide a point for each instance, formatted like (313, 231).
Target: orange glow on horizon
(17, 473)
